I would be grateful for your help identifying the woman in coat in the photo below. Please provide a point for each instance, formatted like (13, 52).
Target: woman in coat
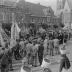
(65, 63)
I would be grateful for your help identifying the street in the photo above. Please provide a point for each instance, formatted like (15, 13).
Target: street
(33, 32)
(55, 66)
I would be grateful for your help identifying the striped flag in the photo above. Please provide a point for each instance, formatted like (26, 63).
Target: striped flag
(14, 34)
(1, 39)
(15, 31)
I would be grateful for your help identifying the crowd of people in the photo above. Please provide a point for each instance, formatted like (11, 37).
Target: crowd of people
(34, 48)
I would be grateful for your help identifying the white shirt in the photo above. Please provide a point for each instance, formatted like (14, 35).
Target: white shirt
(45, 43)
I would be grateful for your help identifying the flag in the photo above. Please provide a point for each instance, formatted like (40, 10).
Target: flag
(18, 29)
(15, 31)
(1, 38)
(14, 34)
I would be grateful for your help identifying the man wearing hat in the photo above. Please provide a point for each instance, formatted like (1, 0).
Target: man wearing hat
(40, 52)
(65, 63)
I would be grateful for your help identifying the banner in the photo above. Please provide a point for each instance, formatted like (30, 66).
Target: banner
(1, 39)
(14, 34)
(15, 31)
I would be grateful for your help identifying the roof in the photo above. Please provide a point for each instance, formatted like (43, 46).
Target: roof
(9, 3)
(70, 3)
(58, 12)
(35, 9)
(63, 3)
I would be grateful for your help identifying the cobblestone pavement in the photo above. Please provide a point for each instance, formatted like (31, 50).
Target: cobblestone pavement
(55, 65)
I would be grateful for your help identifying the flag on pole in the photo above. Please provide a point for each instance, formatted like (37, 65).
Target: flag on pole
(1, 38)
(14, 34)
(15, 31)
(12, 31)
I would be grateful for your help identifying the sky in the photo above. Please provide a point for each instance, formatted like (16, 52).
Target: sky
(51, 3)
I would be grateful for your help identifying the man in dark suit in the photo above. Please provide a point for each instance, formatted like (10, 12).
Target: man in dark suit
(40, 52)
(60, 37)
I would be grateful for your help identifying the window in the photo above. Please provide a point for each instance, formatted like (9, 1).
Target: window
(2, 16)
(33, 20)
(48, 19)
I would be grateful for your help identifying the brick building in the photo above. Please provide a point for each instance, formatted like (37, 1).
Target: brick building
(36, 13)
(25, 12)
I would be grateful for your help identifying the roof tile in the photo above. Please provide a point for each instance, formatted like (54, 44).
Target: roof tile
(35, 9)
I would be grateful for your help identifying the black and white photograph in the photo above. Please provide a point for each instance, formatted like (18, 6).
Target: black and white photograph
(35, 35)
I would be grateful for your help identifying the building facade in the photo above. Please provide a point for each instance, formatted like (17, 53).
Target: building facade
(66, 11)
(25, 12)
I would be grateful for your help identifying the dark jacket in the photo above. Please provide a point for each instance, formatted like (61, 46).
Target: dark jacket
(64, 61)
(40, 50)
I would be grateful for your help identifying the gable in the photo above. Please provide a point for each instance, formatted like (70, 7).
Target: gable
(70, 4)
(66, 7)
(48, 11)
(35, 9)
